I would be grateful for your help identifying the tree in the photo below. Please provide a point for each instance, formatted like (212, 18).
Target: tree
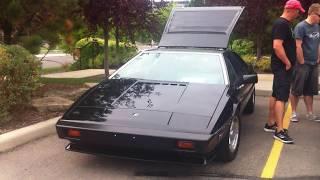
(127, 15)
(21, 20)
(255, 23)
(253, 20)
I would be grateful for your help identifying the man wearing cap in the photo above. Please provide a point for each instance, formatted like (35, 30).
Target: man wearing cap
(282, 59)
(305, 81)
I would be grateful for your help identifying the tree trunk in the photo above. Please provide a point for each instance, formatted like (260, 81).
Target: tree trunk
(260, 31)
(259, 47)
(106, 49)
(7, 32)
(117, 36)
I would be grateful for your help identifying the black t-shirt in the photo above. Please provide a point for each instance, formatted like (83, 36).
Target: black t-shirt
(282, 30)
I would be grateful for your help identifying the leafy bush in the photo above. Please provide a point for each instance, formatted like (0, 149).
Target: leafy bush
(19, 76)
(249, 59)
(85, 41)
(31, 43)
(242, 46)
(92, 54)
(261, 65)
(89, 50)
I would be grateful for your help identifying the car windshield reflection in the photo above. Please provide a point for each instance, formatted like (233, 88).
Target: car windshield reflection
(175, 66)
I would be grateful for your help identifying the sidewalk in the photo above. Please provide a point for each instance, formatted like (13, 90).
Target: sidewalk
(78, 74)
(264, 85)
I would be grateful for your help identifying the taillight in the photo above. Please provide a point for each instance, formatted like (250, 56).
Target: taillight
(73, 133)
(185, 144)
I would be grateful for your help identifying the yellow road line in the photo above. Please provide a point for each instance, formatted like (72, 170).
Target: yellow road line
(271, 164)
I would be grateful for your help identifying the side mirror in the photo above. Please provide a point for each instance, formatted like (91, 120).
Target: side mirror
(250, 78)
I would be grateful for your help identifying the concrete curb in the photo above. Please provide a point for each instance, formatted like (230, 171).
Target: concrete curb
(24, 135)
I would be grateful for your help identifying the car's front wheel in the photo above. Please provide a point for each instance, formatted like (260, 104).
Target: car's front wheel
(228, 148)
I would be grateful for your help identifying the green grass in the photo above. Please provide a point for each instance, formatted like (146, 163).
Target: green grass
(54, 70)
(72, 81)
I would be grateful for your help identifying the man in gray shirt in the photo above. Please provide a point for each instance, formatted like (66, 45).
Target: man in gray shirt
(305, 78)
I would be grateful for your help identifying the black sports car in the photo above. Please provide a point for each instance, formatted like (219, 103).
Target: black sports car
(181, 101)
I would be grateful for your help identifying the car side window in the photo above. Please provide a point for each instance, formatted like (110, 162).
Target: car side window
(239, 65)
(231, 72)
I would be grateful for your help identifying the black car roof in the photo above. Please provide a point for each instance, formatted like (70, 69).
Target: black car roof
(204, 27)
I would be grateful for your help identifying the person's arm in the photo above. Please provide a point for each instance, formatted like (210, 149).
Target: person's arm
(300, 57)
(281, 54)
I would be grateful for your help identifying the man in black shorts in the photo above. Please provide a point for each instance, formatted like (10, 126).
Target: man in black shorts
(282, 59)
(306, 74)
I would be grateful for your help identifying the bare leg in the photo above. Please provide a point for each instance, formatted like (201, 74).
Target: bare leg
(279, 113)
(309, 103)
(271, 119)
(294, 102)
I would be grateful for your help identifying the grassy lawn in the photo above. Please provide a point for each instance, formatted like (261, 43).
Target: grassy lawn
(72, 81)
(54, 70)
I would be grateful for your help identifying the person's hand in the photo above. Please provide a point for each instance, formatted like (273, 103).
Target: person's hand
(318, 61)
(288, 66)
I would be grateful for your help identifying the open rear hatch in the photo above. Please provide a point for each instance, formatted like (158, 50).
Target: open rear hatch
(203, 27)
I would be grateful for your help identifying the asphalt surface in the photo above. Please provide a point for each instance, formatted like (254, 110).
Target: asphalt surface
(46, 158)
(55, 60)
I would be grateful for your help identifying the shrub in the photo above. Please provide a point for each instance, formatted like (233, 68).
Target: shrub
(31, 43)
(19, 77)
(242, 46)
(249, 59)
(92, 54)
(261, 65)
(4, 60)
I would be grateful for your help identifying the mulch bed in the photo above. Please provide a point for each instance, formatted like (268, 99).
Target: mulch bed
(22, 117)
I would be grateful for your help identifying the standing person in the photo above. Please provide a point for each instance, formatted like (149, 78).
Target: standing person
(305, 80)
(283, 56)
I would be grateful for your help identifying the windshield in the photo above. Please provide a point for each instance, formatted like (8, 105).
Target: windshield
(175, 66)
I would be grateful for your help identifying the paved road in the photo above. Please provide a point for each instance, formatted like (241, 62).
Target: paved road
(56, 60)
(47, 159)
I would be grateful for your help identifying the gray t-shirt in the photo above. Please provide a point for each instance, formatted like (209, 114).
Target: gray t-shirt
(310, 36)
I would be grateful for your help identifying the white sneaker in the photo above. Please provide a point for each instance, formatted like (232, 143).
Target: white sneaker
(313, 117)
(294, 118)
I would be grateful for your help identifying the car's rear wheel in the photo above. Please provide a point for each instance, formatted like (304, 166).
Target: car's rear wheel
(249, 109)
(228, 148)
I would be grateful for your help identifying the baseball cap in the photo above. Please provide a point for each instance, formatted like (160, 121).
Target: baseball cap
(294, 4)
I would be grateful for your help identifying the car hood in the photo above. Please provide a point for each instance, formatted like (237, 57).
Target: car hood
(148, 103)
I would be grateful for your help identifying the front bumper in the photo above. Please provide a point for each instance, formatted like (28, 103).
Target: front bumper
(140, 144)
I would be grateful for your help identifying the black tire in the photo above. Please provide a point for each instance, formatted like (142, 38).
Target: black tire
(249, 109)
(227, 151)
